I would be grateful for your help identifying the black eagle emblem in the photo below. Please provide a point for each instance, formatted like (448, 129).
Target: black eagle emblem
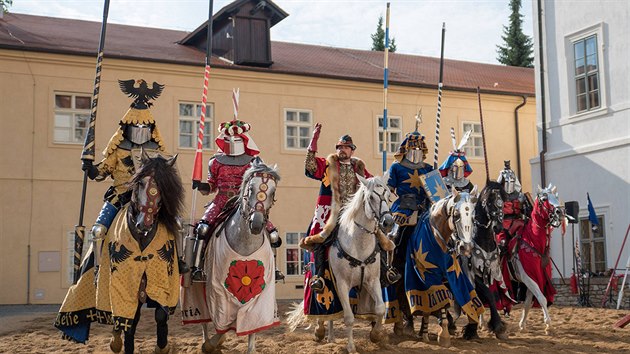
(119, 256)
(167, 254)
(140, 91)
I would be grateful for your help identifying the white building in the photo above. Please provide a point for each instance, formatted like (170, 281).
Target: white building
(584, 91)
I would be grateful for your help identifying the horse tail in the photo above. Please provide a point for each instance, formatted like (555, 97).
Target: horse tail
(296, 316)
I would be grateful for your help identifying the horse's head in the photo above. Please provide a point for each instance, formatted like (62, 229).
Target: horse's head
(148, 203)
(547, 206)
(460, 207)
(489, 207)
(376, 195)
(257, 195)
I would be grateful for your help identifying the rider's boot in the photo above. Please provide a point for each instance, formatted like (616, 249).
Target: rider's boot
(275, 241)
(202, 232)
(317, 282)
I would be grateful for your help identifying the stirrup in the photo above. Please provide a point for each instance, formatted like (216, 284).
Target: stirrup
(198, 276)
(183, 267)
(317, 285)
(279, 275)
(392, 275)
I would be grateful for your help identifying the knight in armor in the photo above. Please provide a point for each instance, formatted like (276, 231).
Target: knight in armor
(516, 211)
(337, 174)
(236, 153)
(456, 169)
(404, 181)
(137, 130)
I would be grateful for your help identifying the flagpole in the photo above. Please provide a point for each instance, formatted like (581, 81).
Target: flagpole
(88, 148)
(385, 85)
(439, 102)
(198, 162)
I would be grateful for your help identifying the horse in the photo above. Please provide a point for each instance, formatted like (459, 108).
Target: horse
(483, 267)
(443, 234)
(530, 252)
(240, 265)
(139, 255)
(354, 261)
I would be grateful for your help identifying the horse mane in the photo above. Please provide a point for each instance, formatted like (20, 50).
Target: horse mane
(171, 189)
(357, 204)
(257, 167)
(485, 195)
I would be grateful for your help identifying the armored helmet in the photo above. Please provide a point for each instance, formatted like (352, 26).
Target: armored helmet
(234, 139)
(508, 179)
(413, 148)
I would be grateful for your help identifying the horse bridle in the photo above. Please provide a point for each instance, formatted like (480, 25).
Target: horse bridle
(554, 218)
(261, 197)
(495, 215)
(380, 215)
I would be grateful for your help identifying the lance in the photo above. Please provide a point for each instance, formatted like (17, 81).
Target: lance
(483, 135)
(385, 84)
(198, 162)
(439, 103)
(88, 148)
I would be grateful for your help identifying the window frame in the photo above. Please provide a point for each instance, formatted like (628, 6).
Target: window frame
(470, 146)
(209, 132)
(586, 75)
(297, 124)
(393, 145)
(301, 254)
(74, 112)
(597, 31)
(590, 264)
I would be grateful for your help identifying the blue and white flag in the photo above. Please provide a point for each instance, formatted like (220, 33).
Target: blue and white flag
(592, 216)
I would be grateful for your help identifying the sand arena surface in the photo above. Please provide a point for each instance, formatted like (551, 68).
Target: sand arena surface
(575, 330)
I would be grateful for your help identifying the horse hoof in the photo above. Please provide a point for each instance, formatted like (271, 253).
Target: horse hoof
(165, 350)
(425, 338)
(502, 336)
(207, 348)
(444, 342)
(319, 334)
(351, 349)
(375, 336)
(116, 343)
(398, 329)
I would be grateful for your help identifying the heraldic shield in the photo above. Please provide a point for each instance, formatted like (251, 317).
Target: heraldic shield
(434, 186)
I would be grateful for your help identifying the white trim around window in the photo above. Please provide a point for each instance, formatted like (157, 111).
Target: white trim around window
(584, 53)
(188, 114)
(298, 125)
(294, 255)
(71, 117)
(474, 146)
(394, 134)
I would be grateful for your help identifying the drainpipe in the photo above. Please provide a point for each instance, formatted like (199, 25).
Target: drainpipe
(518, 145)
(542, 94)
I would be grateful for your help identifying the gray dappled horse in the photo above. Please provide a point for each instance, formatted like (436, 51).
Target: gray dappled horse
(243, 230)
(531, 260)
(354, 259)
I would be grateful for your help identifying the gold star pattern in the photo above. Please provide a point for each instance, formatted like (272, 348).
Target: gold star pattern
(414, 180)
(422, 264)
(455, 267)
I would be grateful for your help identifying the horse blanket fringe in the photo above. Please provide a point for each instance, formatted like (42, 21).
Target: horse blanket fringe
(241, 290)
(428, 266)
(115, 297)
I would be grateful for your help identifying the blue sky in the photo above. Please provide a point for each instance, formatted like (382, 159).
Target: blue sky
(473, 27)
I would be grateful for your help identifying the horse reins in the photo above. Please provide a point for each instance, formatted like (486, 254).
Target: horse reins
(261, 196)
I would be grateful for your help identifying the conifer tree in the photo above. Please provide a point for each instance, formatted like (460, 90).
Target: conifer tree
(4, 5)
(378, 38)
(517, 46)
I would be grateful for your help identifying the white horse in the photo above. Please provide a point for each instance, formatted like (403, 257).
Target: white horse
(243, 231)
(531, 260)
(354, 259)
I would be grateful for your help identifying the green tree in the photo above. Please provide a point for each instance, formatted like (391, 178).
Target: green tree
(378, 38)
(4, 5)
(517, 46)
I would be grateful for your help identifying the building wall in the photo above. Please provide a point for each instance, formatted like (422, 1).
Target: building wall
(41, 180)
(587, 152)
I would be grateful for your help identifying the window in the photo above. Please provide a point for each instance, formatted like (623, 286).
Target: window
(298, 124)
(394, 134)
(593, 246)
(474, 146)
(72, 117)
(189, 114)
(586, 74)
(295, 255)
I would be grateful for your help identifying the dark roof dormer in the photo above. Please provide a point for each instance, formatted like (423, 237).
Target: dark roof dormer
(240, 32)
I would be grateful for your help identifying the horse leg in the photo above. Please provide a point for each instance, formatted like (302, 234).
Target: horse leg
(375, 292)
(161, 320)
(444, 337)
(534, 290)
(424, 327)
(331, 333)
(320, 331)
(130, 334)
(213, 343)
(526, 306)
(348, 317)
(251, 343)
(495, 324)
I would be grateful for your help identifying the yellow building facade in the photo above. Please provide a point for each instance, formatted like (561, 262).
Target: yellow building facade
(41, 178)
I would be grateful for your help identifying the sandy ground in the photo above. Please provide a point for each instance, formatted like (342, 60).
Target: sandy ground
(575, 330)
